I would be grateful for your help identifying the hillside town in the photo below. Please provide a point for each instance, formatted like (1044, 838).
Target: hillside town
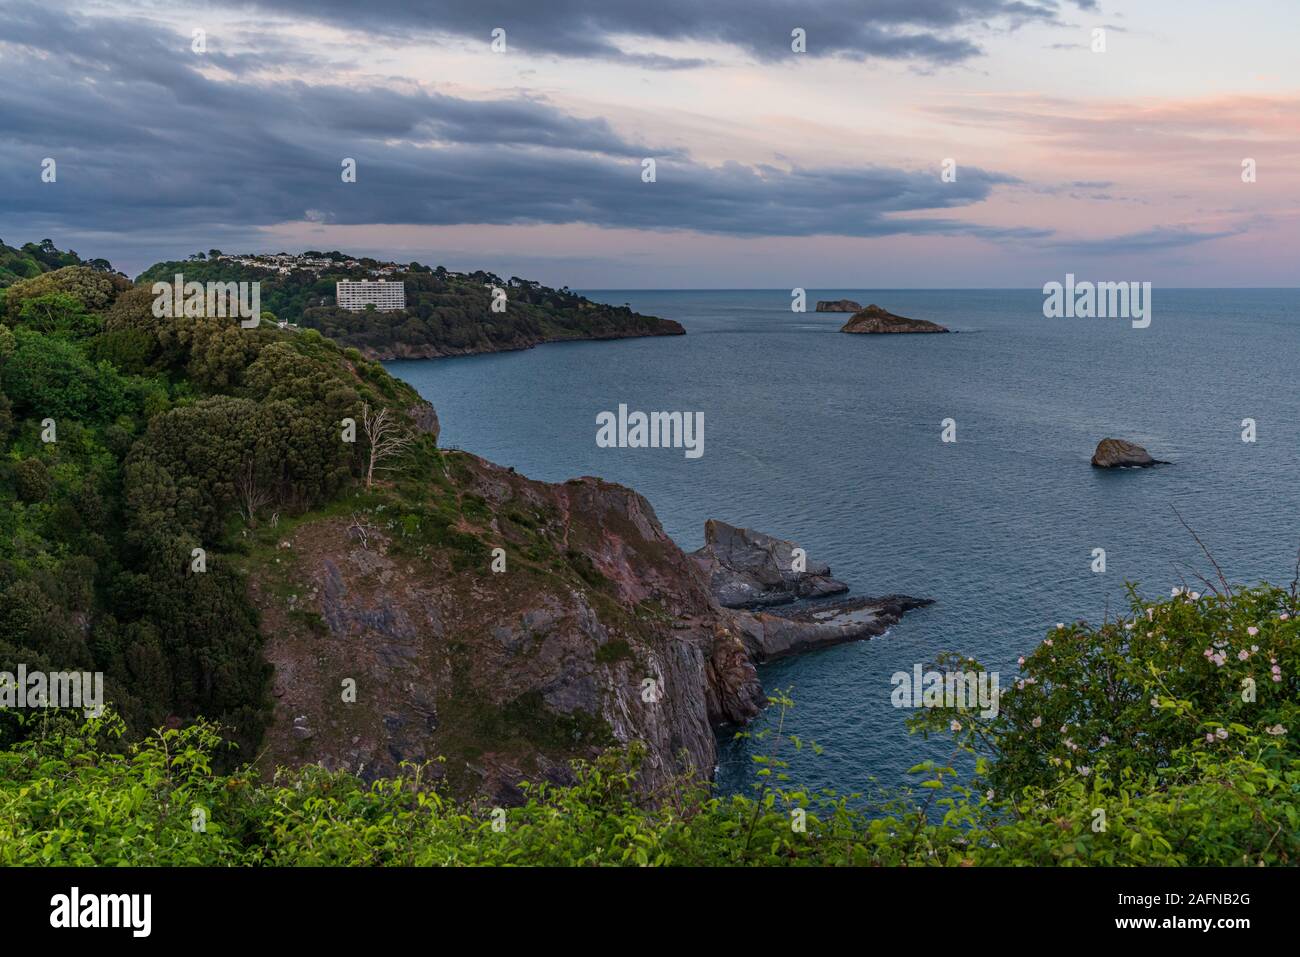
(286, 263)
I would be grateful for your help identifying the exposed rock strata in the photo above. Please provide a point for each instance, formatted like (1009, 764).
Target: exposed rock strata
(509, 676)
(775, 635)
(748, 569)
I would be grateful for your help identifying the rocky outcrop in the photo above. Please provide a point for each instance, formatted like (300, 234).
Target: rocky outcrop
(775, 635)
(747, 569)
(837, 305)
(873, 319)
(599, 631)
(424, 419)
(1118, 454)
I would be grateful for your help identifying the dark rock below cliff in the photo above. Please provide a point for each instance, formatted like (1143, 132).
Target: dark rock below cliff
(747, 569)
(1117, 454)
(873, 319)
(771, 635)
(837, 305)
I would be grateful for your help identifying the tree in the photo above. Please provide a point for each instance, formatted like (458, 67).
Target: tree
(57, 313)
(253, 495)
(386, 438)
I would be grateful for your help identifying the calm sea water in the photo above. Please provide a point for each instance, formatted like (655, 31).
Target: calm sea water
(833, 441)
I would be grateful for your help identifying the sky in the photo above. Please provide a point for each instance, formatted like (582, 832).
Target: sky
(1098, 138)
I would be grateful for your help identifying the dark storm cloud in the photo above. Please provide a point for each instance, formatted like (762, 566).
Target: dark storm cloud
(146, 142)
(925, 30)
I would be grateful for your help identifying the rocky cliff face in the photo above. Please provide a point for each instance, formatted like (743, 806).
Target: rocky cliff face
(598, 631)
(748, 569)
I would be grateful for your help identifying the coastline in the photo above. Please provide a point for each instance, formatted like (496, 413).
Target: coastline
(433, 352)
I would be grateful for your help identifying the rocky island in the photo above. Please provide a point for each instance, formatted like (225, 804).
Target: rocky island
(1119, 454)
(837, 305)
(873, 319)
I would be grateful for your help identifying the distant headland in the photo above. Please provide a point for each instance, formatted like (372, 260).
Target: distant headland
(445, 313)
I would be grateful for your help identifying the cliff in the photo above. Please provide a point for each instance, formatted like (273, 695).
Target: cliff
(599, 631)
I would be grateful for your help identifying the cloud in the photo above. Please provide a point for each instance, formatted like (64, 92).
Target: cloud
(932, 31)
(1147, 241)
(149, 138)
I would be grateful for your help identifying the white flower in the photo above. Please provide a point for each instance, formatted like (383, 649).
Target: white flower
(1221, 734)
(1037, 722)
(955, 726)
(1084, 770)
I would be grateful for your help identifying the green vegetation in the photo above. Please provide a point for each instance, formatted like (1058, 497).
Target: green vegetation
(32, 259)
(447, 313)
(126, 442)
(1163, 755)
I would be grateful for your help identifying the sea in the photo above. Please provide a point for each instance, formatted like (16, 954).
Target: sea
(837, 443)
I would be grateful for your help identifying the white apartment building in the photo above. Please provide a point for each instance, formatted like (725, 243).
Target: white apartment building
(383, 295)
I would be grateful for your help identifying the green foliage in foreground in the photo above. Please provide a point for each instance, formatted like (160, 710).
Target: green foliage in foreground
(1164, 754)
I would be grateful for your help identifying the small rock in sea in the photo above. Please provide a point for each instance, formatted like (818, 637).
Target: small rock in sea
(1116, 454)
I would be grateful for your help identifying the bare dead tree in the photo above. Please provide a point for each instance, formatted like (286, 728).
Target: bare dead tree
(252, 494)
(1227, 589)
(387, 438)
(362, 528)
